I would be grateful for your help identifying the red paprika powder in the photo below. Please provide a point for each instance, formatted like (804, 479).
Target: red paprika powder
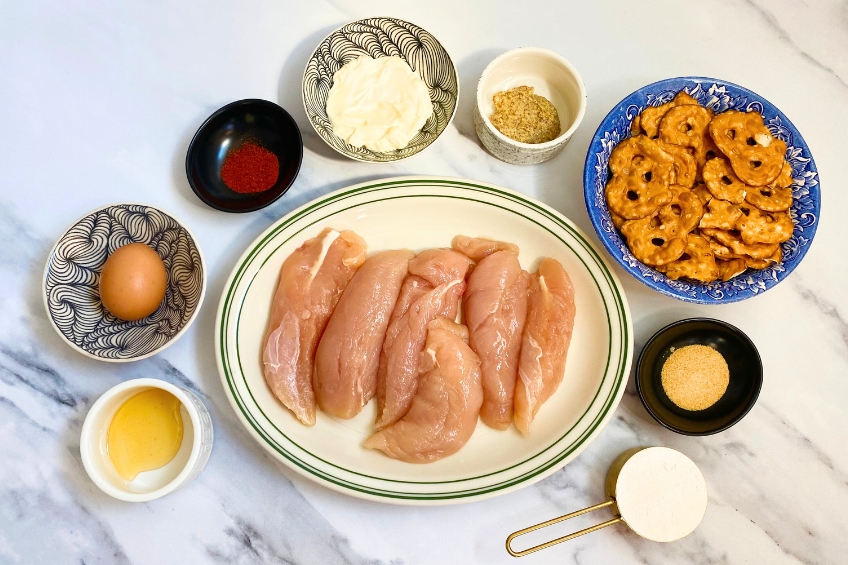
(250, 168)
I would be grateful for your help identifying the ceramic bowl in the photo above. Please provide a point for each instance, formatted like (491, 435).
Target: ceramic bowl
(381, 37)
(254, 120)
(72, 277)
(551, 76)
(743, 360)
(718, 96)
(180, 471)
(423, 213)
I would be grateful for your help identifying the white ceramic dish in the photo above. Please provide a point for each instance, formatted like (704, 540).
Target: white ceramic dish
(381, 37)
(425, 212)
(182, 469)
(553, 77)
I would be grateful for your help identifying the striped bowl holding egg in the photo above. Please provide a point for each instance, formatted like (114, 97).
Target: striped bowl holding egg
(70, 286)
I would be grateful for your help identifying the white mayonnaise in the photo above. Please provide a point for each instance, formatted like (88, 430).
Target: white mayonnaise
(378, 103)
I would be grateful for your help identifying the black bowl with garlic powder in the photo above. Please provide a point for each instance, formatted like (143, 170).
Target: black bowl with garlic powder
(699, 376)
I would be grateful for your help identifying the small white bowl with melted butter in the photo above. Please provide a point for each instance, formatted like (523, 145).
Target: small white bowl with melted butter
(195, 443)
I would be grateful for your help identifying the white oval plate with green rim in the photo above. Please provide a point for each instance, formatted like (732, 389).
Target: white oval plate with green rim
(420, 213)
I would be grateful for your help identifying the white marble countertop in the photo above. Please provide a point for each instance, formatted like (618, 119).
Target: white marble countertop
(99, 101)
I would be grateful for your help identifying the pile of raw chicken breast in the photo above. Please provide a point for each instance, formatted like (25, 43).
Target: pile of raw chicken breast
(345, 329)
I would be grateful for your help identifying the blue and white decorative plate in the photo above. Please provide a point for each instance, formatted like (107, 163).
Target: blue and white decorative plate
(381, 37)
(718, 96)
(72, 278)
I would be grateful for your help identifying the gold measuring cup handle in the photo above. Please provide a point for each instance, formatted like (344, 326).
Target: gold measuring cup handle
(589, 530)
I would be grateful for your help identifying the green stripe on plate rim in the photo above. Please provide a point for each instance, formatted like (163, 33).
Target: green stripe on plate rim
(373, 491)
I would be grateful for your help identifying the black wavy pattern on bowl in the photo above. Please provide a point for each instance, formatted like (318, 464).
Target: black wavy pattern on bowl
(73, 277)
(381, 37)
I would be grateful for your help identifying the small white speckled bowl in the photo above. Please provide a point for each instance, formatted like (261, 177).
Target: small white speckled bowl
(180, 471)
(553, 77)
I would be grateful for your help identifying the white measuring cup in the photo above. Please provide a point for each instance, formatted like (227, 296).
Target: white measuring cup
(658, 492)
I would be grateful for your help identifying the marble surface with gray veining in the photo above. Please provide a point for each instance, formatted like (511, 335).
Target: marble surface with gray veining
(98, 101)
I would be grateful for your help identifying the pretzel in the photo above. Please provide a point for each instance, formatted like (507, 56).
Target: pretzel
(777, 196)
(709, 151)
(721, 252)
(640, 193)
(732, 239)
(720, 214)
(732, 268)
(636, 126)
(697, 262)
(700, 190)
(722, 182)
(688, 126)
(755, 155)
(767, 262)
(684, 169)
(764, 227)
(698, 195)
(654, 242)
(617, 220)
(638, 155)
(651, 116)
(685, 208)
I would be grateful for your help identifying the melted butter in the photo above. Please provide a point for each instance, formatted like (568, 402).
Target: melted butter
(145, 433)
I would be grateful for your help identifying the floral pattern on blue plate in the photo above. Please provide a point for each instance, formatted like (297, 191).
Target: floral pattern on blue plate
(718, 96)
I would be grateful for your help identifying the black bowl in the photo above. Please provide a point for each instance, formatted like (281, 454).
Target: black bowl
(743, 360)
(254, 120)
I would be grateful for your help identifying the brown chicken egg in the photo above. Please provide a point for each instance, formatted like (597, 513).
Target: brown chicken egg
(133, 282)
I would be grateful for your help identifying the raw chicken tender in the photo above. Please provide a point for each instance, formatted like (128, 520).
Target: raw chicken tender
(495, 307)
(433, 287)
(312, 279)
(349, 352)
(547, 335)
(444, 411)
(478, 248)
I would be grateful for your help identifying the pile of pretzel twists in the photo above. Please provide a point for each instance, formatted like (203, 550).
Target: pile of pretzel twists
(699, 195)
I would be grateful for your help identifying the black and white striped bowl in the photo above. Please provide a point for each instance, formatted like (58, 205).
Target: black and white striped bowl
(72, 277)
(381, 37)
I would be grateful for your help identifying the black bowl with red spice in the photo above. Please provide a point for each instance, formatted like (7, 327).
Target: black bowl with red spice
(244, 156)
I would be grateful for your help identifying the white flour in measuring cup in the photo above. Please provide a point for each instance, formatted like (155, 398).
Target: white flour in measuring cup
(661, 494)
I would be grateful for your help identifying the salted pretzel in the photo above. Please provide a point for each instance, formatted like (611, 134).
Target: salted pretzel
(732, 239)
(684, 207)
(732, 268)
(653, 241)
(701, 191)
(688, 126)
(755, 155)
(697, 262)
(630, 155)
(684, 169)
(721, 252)
(650, 117)
(722, 182)
(720, 214)
(641, 174)
(756, 226)
(777, 196)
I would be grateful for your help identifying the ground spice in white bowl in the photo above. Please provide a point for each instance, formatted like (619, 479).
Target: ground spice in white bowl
(524, 116)
(695, 377)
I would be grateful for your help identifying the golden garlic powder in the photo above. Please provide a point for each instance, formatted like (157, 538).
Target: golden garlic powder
(695, 377)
